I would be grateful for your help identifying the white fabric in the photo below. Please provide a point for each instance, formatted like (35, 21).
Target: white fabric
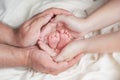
(91, 66)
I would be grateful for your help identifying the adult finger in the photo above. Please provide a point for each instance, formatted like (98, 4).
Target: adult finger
(75, 60)
(58, 11)
(62, 18)
(46, 48)
(54, 11)
(50, 11)
(57, 67)
(62, 66)
(36, 23)
(40, 22)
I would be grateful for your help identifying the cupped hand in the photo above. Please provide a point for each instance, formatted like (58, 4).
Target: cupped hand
(73, 23)
(42, 62)
(29, 32)
(73, 49)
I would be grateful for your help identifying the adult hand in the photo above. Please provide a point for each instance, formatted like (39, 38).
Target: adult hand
(41, 61)
(29, 32)
(73, 49)
(73, 23)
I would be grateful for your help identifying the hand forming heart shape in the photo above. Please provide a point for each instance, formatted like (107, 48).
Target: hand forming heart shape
(54, 37)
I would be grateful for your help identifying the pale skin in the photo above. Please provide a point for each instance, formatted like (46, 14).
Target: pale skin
(11, 55)
(105, 16)
(54, 37)
(99, 20)
(22, 36)
(32, 57)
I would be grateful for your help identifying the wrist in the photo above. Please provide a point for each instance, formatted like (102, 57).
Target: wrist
(25, 59)
(23, 56)
(81, 45)
(12, 56)
(14, 38)
(89, 45)
(86, 46)
(19, 39)
(84, 26)
(15, 41)
(8, 35)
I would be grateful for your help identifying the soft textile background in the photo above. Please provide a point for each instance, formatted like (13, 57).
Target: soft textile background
(91, 66)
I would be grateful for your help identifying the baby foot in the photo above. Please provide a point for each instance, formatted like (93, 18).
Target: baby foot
(65, 38)
(53, 39)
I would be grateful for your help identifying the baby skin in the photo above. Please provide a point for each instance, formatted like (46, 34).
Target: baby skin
(54, 37)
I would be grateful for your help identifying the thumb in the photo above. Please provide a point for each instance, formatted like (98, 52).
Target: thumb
(71, 22)
(45, 19)
(41, 21)
(61, 18)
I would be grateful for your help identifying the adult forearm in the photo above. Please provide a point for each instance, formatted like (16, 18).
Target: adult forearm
(106, 15)
(12, 56)
(104, 43)
(7, 35)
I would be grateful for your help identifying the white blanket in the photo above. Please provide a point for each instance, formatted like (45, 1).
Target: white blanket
(91, 66)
